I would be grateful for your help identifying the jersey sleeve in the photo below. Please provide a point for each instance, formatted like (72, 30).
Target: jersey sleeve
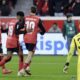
(41, 27)
(71, 51)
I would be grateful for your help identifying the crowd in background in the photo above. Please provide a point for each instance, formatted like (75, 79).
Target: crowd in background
(45, 7)
(6, 7)
(57, 7)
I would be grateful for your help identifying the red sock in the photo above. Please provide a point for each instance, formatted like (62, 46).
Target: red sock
(20, 65)
(26, 65)
(20, 62)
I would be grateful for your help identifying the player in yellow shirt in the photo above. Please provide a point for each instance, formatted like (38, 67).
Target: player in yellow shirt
(75, 44)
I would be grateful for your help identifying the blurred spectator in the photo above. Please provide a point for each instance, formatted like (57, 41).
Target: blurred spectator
(42, 7)
(4, 8)
(69, 29)
(45, 8)
(67, 6)
(76, 8)
(13, 3)
(55, 28)
(51, 6)
(59, 5)
(39, 4)
(34, 2)
(0, 12)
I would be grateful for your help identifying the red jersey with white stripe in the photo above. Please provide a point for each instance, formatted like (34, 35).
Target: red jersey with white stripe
(31, 26)
(12, 39)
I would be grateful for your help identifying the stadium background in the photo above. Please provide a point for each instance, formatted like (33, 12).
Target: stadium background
(43, 67)
(50, 43)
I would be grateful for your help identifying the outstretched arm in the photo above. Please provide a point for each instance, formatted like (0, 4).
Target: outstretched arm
(70, 54)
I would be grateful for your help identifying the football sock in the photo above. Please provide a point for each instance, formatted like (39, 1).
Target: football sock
(28, 60)
(20, 62)
(26, 65)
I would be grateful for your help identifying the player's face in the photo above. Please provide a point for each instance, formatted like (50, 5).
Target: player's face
(54, 26)
(69, 18)
(18, 17)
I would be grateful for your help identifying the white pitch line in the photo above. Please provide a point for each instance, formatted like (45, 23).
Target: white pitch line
(65, 75)
(54, 75)
(51, 63)
(45, 63)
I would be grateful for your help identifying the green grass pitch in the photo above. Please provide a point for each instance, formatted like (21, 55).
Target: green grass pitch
(43, 68)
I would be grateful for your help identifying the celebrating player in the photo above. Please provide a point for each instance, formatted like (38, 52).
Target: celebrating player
(12, 39)
(4, 70)
(74, 44)
(32, 25)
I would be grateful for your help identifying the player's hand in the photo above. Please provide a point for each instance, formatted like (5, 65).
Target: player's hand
(65, 69)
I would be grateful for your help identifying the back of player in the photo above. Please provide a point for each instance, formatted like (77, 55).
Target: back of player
(12, 39)
(31, 23)
(32, 26)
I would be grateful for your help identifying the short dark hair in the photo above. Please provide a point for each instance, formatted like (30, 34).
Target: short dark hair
(55, 23)
(20, 13)
(33, 9)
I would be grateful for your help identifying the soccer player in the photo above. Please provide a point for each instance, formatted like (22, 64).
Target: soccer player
(32, 26)
(4, 70)
(19, 32)
(75, 43)
(14, 29)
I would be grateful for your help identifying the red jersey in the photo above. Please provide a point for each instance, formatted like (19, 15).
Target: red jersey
(0, 32)
(12, 39)
(31, 24)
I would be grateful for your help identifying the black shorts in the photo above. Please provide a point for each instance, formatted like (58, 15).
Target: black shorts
(13, 49)
(1, 51)
(30, 46)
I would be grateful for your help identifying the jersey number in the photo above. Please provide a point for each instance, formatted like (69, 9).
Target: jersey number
(30, 25)
(78, 43)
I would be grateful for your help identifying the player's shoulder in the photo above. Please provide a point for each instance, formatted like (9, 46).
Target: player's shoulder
(12, 21)
(77, 36)
(37, 17)
(32, 17)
